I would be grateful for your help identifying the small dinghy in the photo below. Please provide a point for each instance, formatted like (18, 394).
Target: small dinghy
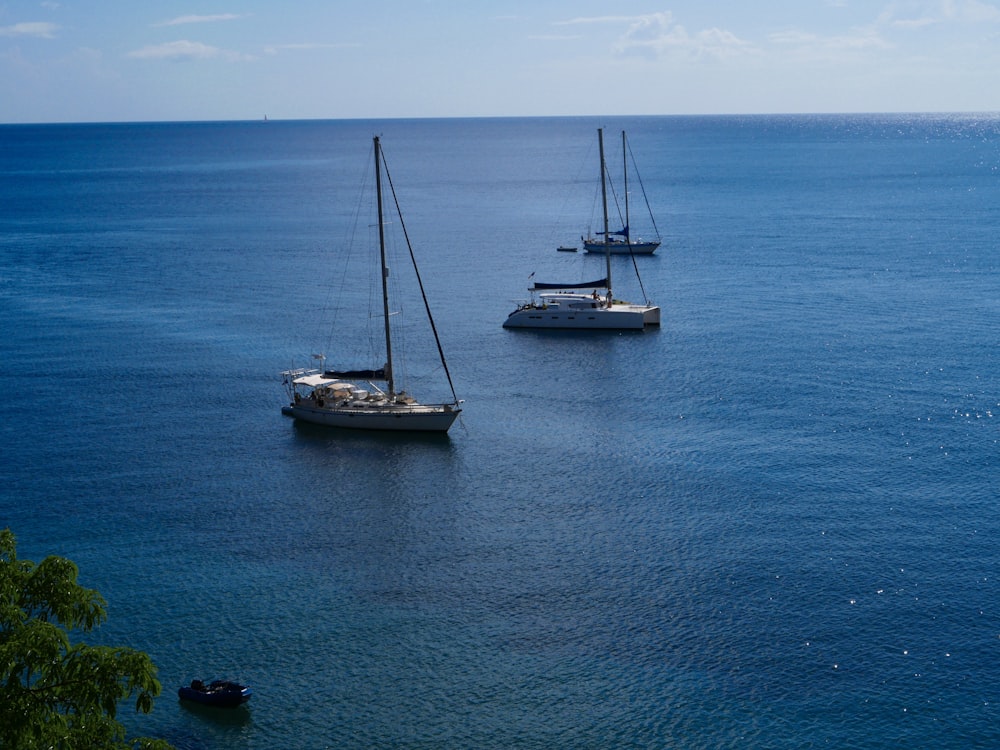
(223, 693)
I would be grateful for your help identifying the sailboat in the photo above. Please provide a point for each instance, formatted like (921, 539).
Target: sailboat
(351, 398)
(621, 242)
(569, 306)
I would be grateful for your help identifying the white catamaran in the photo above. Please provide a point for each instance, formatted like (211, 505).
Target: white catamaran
(350, 398)
(569, 306)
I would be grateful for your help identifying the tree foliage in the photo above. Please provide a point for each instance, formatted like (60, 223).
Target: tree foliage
(54, 693)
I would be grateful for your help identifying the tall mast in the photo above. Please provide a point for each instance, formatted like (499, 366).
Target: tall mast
(385, 268)
(604, 202)
(628, 235)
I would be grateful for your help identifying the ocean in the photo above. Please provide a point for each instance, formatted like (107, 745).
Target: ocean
(770, 523)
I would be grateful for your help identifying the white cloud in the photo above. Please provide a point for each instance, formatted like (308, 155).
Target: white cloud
(39, 29)
(658, 34)
(184, 50)
(182, 20)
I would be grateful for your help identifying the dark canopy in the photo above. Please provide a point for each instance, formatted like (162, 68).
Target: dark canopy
(599, 284)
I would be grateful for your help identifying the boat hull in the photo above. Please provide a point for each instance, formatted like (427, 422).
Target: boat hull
(221, 695)
(399, 418)
(621, 248)
(621, 317)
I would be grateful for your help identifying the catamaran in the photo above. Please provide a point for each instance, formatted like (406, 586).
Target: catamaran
(569, 306)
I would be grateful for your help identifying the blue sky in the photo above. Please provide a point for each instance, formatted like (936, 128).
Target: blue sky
(74, 61)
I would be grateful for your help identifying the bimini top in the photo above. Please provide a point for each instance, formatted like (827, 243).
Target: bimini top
(600, 284)
(316, 380)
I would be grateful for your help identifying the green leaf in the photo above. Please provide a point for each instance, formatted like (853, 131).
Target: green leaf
(53, 693)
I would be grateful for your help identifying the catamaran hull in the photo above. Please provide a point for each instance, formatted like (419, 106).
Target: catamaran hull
(618, 318)
(622, 248)
(419, 418)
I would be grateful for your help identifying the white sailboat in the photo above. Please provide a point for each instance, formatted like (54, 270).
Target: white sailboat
(569, 306)
(621, 242)
(350, 398)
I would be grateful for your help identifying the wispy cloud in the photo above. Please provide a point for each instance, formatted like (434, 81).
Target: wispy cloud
(274, 49)
(183, 20)
(597, 19)
(914, 23)
(658, 34)
(182, 50)
(865, 38)
(914, 15)
(891, 29)
(971, 11)
(554, 37)
(39, 29)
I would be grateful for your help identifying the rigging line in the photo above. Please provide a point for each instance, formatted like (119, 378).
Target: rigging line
(573, 196)
(635, 266)
(614, 196)
(628, 239)
(331, 310)
(374, 324)
(642, 188)
(397, 304)
(420, 283)
(638, 276)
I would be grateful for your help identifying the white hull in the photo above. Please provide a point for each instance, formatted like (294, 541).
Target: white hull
(621, 248)
(399, 417)
(622, 316)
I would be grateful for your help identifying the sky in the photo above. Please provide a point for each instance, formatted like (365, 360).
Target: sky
(184, 60)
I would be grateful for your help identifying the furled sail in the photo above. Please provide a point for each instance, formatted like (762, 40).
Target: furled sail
(356, 374)
(619, 233)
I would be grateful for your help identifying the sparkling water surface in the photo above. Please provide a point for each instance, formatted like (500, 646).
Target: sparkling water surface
(770, 523)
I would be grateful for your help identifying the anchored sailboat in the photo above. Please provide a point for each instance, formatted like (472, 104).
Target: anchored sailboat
(621, 242)
(565, 306)
(350, 398)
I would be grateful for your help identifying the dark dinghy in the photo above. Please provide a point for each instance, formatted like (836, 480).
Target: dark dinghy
(222, 693)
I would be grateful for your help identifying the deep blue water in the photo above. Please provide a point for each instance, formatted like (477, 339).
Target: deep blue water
(769, 524)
